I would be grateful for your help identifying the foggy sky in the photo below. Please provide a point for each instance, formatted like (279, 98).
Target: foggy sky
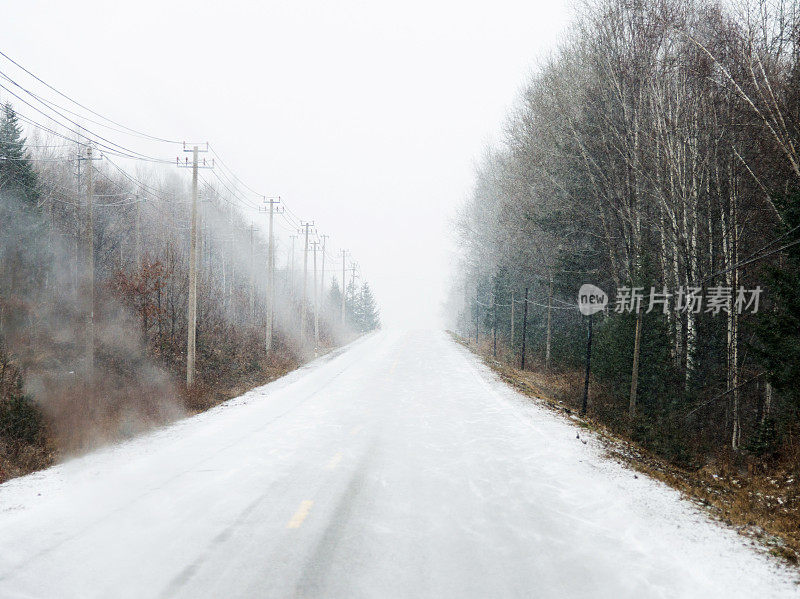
(366, 117)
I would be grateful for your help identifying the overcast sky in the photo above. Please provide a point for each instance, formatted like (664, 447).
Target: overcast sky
(366, 117)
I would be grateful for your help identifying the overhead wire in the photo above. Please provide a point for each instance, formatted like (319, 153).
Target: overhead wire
(107, 147)
(153, 137)
(51, 105)
(225, 166)
(84, 144)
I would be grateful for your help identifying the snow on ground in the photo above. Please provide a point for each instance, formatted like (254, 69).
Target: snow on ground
(399, 467)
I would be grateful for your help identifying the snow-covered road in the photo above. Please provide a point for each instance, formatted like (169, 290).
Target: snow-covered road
(399, 467)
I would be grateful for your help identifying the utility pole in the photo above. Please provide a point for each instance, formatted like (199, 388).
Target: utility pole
(138, 240)
(353, 274)
(316, 302)
(192, 315)
(303, 305)
(549, 324)
(51, 243)
(494, 324)
(291, 268)
(322, 272)
(466, 310)
(477, 316)
(524, 329)
(585, 401)
(512, 322)
(287, 272)
(271, 275)
(353, 269)
(77, 283)
(193, 267)
(344, 253)
(89, 266)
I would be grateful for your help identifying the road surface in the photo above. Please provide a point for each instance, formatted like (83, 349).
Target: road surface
(397, 467)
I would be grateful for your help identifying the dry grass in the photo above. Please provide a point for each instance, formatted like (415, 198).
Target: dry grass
(762, 505)
(23, 459)
(81, 418)
(761, 500)
(202, 397)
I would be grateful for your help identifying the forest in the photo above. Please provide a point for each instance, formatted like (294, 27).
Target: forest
(657, 149)
(94, 287)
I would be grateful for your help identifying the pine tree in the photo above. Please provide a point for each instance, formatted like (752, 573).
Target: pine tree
(334, 299)
(370, 316)
(353, 307)
(362, 310)
(779, 325)
(17, 176)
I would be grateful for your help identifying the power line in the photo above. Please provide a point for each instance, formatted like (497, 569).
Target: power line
(226, 177)
(225, 166)
(233, 194)
(111, 147)
(136, 181)
(52, 104)
(153, 137)
(83, 144)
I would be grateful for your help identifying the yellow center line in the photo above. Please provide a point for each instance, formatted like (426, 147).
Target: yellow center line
(334, 461)
(394, 366)
(300, 514)
(356, 430)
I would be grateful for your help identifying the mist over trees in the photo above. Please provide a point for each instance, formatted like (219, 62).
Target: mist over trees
(658, 147)
(51, 399)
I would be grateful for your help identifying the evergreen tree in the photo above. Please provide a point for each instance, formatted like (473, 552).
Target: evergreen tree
(370, 316)
(779, 324)
(17, 176)
(24, 253)
(353, 306)
(362, 311)
(334, 300)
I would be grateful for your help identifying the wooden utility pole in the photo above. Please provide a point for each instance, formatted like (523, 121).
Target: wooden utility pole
(303, 304)
(193, 268)
(494, 324)
(477, 316)
(316, 300)
(353, 268)
(138, 241)
(322, 272)
(287, 272)
(511, 343)
(344, 253)
(89, 266)
(270, 276)
(51, 244)
(549, 321)
(291, 268)
(585, 401)
(200, 229)
(465, 331)
(524, 329)
(76, 282)
(192, 309)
